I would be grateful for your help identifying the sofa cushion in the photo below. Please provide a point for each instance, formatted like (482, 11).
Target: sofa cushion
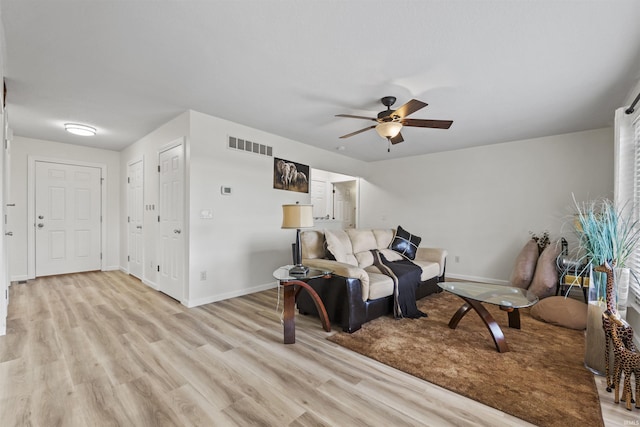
(380, 285)
(384, 237)
(429, 269)
(405, 243)
(313, 244)
(339, 244)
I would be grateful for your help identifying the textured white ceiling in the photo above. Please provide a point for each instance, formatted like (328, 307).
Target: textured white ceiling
(501, 70)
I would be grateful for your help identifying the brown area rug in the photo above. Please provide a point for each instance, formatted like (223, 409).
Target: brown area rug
(542, 379)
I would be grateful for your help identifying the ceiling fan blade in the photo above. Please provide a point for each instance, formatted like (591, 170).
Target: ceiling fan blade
(419, 123)
(397, 139)
(357, 132)
(356, 117)
(409, 108)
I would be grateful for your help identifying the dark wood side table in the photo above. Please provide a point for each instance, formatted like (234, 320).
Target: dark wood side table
(292, 285)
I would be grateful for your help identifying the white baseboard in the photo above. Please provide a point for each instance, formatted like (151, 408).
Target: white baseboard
(111, 268)
(220, 297)
(477, 279)
(150, 284)
(21, 278)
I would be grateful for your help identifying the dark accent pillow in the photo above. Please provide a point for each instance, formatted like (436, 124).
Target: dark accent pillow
(405, 243)
(327, 252)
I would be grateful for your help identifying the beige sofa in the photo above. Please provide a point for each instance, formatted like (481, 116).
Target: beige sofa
(358, 291)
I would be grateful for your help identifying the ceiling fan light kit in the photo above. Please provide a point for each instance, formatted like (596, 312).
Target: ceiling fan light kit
(388, 129)
(390, 122)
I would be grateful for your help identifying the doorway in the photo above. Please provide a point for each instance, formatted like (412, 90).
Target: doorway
(335, 199)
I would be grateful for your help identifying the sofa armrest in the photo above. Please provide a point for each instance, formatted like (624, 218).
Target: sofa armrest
(438, 255)
(341, 269)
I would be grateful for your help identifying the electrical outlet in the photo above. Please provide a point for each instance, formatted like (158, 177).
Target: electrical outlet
(203, 275)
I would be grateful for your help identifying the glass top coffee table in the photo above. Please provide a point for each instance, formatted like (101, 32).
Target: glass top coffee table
(508, 298)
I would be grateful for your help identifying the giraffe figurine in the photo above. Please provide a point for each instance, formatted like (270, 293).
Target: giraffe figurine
(624, 330)
(627, 362)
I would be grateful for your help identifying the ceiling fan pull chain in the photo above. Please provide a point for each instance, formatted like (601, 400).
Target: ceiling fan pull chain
(389, 145)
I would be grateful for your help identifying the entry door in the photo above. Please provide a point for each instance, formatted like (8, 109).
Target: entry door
(171, 208)
(135, 208)
(67, 218)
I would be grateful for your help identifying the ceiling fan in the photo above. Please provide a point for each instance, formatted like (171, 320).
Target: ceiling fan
(390, 122)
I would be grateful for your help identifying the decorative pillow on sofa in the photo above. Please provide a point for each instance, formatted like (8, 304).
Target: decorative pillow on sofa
(405, 243)
(525, 265)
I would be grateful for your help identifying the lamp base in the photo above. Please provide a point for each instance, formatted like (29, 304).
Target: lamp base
(298, 270)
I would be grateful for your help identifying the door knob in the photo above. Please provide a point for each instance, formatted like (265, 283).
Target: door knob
(177, 231)
(139, 227)
(40, 225)
(9, 233)
(40, 217)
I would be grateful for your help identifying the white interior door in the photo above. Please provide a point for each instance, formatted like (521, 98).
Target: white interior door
(135, 214)
(67, 218)
(319, 198)
(171, 213)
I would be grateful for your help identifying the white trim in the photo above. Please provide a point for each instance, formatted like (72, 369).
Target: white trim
(31, 198)
(150, 284)
(227, 295)
(22, 278)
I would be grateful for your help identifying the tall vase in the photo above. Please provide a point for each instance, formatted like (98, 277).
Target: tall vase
(621, 288)
(594, 359)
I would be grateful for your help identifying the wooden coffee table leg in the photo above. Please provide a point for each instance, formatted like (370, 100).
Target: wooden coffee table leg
(514, 317)
(291, 290)
(487, 318)
(289, 317)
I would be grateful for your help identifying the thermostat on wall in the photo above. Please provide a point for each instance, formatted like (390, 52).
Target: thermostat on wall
(226, 191)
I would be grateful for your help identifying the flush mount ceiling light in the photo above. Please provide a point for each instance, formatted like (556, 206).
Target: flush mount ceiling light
(78, 129)
(388, 129)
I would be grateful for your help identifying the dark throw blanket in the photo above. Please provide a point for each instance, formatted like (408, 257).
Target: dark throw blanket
(406, 278)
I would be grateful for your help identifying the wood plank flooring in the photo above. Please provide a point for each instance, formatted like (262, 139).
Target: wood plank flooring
(102, 349)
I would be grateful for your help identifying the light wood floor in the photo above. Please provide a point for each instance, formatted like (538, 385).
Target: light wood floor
(103, 349)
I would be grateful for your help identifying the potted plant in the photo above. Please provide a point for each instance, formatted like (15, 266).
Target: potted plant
(606, 234)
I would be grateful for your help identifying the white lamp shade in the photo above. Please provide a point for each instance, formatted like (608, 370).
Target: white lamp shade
(388, 129)
(297, 216)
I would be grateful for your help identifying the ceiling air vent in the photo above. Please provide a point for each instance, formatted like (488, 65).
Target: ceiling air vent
(249, 146)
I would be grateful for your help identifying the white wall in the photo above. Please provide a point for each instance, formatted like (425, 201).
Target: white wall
(243, 244)
(17, 220)
(481, 203)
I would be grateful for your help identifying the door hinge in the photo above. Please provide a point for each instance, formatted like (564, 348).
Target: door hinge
(128, 180)
(100, 255)
(158, 218)
(158, 267)
(158, 168)
(100, 218)
(128, 219)
(128, 258)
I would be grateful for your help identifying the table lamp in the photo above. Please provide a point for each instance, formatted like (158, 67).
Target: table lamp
(297, 216)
